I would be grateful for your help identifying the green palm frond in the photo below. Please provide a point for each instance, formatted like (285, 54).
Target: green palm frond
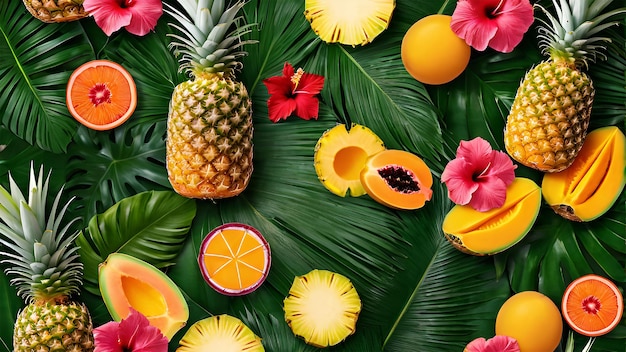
(151, 226)
(11, 304)
(35, 63)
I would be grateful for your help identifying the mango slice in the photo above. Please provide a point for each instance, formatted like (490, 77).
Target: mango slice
(493, 231)
(591, 185)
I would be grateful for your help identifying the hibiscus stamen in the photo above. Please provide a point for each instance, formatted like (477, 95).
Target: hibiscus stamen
(295, 78)
(494, 12)
(477, 178)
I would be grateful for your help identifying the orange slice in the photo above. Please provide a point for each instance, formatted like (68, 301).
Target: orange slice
(234, 259)
(101, 94)
(592, 305)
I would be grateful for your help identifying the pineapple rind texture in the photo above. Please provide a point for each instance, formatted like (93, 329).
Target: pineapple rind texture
(549, 117)
(51, 11)
(209, 138)
(53, 327)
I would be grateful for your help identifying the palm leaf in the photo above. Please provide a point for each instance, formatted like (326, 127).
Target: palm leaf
(35, 62)
(151, 226)
(11, 304)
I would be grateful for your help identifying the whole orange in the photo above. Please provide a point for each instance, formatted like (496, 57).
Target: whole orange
(533, 320)
(432, 53)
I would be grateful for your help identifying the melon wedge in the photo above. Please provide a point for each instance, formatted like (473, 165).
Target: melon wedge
(493, 231)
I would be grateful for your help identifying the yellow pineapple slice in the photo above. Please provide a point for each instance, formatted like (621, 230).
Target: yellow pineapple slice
(341, 154)
(322, 307)
(351, 22)
(222, 333)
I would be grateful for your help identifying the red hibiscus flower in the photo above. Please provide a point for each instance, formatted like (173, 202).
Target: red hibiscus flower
(478, 176)
(499, 24)
(131, 334)
(139, 17)
(293, 93)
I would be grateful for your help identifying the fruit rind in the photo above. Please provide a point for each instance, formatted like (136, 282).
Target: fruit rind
(491, 232)
(592, 184)
(119, 267)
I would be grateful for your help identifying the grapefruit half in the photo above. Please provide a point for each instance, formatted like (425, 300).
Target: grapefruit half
(234, 259)
(592, 305)
(101, 94)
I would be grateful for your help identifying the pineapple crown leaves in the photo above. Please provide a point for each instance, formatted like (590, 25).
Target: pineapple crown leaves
(206, 45)
(571, 33)
(43, 262)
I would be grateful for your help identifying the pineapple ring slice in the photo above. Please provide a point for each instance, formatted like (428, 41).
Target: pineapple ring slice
(322, 307)
(351, 22)
(220, 333)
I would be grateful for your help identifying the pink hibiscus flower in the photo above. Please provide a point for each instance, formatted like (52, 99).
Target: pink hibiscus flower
(293, 93)
(499, 24)
(131, 334)
(498, 343)
(478, 176)
(139, 17)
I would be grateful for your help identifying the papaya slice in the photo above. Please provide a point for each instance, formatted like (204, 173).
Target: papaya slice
(591, 185)
(126, 282)
(493, 231)
(397, 179)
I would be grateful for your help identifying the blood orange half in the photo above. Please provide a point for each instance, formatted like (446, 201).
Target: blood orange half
(101, 94)
(234, 259)
(592, 305)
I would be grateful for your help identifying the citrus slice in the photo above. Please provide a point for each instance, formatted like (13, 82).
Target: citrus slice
(234, 259)
(101, 94)
(592, 305)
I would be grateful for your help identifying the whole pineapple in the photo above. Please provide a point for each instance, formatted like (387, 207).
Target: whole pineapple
(43, 266)
(50, 11)
(549, 117)
(209, 127)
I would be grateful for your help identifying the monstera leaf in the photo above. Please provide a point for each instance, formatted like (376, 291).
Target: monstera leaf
(35, 63)
(151, 226)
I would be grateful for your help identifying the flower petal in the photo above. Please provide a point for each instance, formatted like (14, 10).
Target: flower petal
(136, 334)
(457, 176)
(288, 70)
(498, 343)
(477, 152)
(109, 15)
(310, 84)
(502, 167)
(470, 23)
(106, 338)
(307, 106)
(278, 85)
(516, 18)
(145, 14)
(280, 107)
(490, 194)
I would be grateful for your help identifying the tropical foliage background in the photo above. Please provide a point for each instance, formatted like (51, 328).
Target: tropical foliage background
(418, 293)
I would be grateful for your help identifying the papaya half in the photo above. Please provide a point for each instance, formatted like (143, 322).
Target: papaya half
(591, 185)
(126, 282)
(493, 231)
